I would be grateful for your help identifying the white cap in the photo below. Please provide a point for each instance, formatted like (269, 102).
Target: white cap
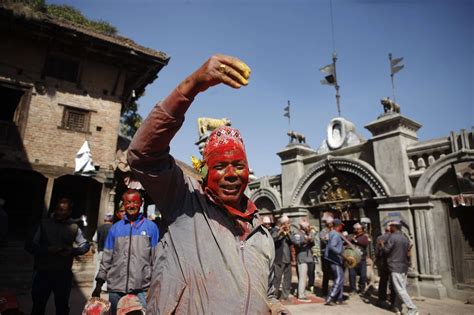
(329, 219)
(284, 218)
(266, 220)
(304, 224)
(358, 226)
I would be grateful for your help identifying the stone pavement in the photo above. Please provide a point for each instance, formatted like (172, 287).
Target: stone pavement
(355, 306)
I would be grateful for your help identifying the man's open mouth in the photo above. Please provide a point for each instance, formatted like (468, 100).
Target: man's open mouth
(230, 189)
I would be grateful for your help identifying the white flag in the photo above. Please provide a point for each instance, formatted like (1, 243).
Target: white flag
(84, 164)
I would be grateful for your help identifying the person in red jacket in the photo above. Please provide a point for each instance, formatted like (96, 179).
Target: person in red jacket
(361, 241)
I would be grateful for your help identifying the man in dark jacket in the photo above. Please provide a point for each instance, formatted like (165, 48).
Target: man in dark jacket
(361, 241)
(129, 250)
(396, 248)
(282, 237)
(333, 254)
(198, 269)
(382, 266)
(53, 248)
(303, 239)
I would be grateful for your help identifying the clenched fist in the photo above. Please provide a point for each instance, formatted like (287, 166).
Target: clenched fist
(217, 69)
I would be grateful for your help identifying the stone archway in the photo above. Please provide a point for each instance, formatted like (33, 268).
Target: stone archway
(438, 169)
(267, 199)
(85, 193)
(23, 193)
(356, 168)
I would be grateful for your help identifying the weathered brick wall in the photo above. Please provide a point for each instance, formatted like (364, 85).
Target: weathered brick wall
(43, 141)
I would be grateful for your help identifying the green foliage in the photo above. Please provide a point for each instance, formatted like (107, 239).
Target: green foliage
(71, 14)
(37, 5)
(130, 120)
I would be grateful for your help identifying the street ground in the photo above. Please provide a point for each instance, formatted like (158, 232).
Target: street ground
(355, 305)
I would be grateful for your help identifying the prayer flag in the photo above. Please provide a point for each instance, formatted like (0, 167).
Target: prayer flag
(287, 110)
(330, 77)
(395, 65)
(396, 61)
(397, 68)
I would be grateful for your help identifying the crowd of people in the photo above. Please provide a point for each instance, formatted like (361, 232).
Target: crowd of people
(218, 255)
(328, 248)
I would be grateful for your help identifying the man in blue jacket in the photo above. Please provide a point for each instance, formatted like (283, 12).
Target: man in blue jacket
(127, 261)
(333, 254)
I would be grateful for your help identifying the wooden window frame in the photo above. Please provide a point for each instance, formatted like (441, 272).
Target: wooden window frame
(75, 110)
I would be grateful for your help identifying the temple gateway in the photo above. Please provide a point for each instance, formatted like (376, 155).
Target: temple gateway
(429, 185)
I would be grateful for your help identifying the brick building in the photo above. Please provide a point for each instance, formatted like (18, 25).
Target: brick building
(60, 85)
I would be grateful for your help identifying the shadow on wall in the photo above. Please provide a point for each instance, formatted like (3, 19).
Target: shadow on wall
(23, 191)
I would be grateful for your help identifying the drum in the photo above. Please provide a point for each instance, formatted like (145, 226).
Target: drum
(352, 257)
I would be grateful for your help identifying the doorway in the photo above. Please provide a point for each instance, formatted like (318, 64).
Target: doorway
(11, 112)
(461, 221)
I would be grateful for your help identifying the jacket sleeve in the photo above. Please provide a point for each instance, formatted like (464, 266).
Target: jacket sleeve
(107, 256)
(82, 244)
(362, 241)
(34, 246)
(334, 244)
(155, 237)
(388, 245)
(310, 240)
(297, 239)
(148, 154)
(275, 234)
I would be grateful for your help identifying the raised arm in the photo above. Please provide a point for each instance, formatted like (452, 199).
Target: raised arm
(148, 155)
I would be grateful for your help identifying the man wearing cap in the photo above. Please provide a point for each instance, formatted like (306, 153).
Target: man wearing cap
(325, 264)
(215, 257)
(333, 254)
(397, 249)
(361, 241)
(99, 239)
(267, 222)
(303, 239)
(282, 237)
(129, 251)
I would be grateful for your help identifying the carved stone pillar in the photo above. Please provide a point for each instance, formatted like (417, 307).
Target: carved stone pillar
(292, 168)
(104, 204)
(428, 252)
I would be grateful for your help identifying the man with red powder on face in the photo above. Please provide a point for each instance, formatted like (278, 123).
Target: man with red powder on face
(216, 256)
(127, 259)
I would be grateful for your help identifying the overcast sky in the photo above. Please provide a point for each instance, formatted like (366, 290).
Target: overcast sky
(285, 42)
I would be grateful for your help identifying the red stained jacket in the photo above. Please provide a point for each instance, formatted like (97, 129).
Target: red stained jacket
(201, 265)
